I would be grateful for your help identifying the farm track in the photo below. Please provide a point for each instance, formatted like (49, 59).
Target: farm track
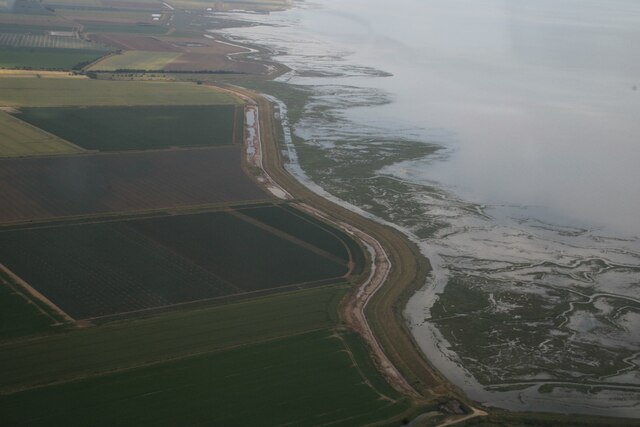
(374, 309)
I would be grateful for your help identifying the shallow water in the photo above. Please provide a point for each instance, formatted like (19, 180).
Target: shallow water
(503, 137)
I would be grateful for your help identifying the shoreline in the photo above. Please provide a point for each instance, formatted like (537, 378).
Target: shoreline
(374, 308)
(390, 303)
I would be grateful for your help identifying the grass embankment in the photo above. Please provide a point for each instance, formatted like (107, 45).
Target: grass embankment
(20, 139)
(408, 272)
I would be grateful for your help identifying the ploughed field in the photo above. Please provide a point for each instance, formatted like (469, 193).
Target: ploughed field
(51, 187)
(117, 128)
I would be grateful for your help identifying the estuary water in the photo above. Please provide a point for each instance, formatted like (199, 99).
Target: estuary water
(504, 137)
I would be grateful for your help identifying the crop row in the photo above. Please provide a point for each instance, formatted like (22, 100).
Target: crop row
(42, 188)
(45, 41)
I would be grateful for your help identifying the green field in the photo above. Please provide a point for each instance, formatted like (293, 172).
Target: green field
(35, 58)
(301, 380)
(176, 334)
(136, 60)
(20, 139)
(19, 316)
(136, 128)
(25, 92)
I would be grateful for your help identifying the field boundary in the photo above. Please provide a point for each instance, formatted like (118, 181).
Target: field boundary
(35, 294)
(15, 116)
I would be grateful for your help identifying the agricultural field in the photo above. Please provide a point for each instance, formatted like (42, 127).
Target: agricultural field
(135, 60)
(303, 380)
(104, 269)
(128, 344)
(101, 269)
(205, 62)
(193, 296)
(24, 7)
(19, 316)
(106, 14)
(176, 334)
(46, 58)
(46, 41)
(108, 128)
(135, 42)
(301, 225)
(175, 61)
(15, 22)
(244, 253)
(115, 27)
(42, 188)
(24, 92)
(20, 139)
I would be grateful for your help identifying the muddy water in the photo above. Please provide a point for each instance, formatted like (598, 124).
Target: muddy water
(502, 135)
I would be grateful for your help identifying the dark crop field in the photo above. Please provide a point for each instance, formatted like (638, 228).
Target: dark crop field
(50, 187)
(245, 254)
(117, 128)
(46, 58)
(301, 225)
(101, 269)
(304, 380)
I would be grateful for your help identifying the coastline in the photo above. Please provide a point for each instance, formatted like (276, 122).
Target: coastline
(374, 308)
(385, 309)
(403, 295)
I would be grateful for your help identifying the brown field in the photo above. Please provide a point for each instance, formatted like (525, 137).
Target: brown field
(200, 54)
(199, 62)
(43, 188)
(202, 45)
(207, 54)
(135, 42)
